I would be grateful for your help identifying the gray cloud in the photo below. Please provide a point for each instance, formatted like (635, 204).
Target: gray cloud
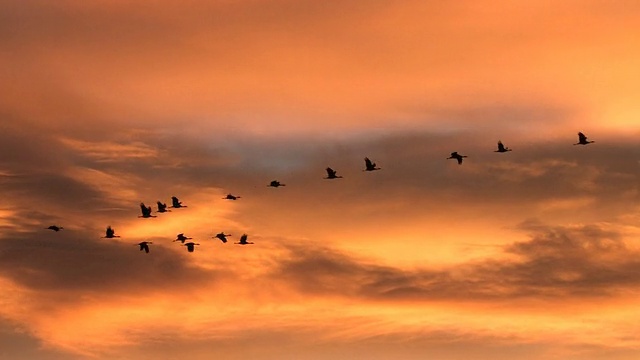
(321, 342)
(71, 261)
(556, 262)
(416, 179)
(17, 344)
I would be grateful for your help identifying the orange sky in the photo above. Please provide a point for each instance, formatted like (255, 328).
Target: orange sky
(531, 254)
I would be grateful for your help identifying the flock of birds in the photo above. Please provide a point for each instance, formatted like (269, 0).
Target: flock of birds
(110, 233)
(582, 140)
(331, 174)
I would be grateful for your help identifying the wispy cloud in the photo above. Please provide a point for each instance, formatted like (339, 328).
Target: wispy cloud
(557, 262)
(103, 151)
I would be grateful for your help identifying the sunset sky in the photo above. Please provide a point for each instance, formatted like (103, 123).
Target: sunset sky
(531, 254)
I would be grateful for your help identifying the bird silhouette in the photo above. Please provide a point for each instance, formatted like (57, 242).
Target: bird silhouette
(370, 166)
(276, 183)
(110, 233)
(502, 148)
(55, 228)
(243, 240)
(582, 140)
(190, 246)
(231, 197)
(175, 203)
(162, 207)
(222, 236)
(331, 174)
(144, 246)
(146, 211)
(455, 155)
(180, 237)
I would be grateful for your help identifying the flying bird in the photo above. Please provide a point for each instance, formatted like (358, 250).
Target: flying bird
(243, 240)
(582, 140)
(502, 148)
(180, 237)
(331, 174)
(190, 246)
(110, 233)
(276, 183)
(175, 203)
(146, 211)
(455, 155)
(162, 207)
(231, 197)
(55, 228)
(144, 246)
(370, 166)
(222, 236)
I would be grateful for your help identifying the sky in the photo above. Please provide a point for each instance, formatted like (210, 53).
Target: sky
(529, 254)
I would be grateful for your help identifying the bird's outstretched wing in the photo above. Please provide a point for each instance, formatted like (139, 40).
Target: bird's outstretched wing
(144, 246)
(145, 211)
(161, 206)
(582, 137)
(330, 172)
(190, 246)
(175, 202)
(370, 165)
(501, 146)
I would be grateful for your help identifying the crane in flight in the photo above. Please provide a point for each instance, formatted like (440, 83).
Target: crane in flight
(146, 211)
(243, 240)
(144, 246)
(369, 165)
(55, 228)
(582, 140)
(231, 197)
(162, 207)
(191, 246)
(502, 148)
(455, 155)
(222, 236)
(175, 203)
(276, 183)
(180, 237)
(331, 174)
(110, 233)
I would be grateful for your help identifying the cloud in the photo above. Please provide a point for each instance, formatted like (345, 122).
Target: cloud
(589, 260)
(320, 343)
(18, 344)
(70, 269)
(257, 66)
(108, 152)
(106, 104)
(77, 261)
(557, 262)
